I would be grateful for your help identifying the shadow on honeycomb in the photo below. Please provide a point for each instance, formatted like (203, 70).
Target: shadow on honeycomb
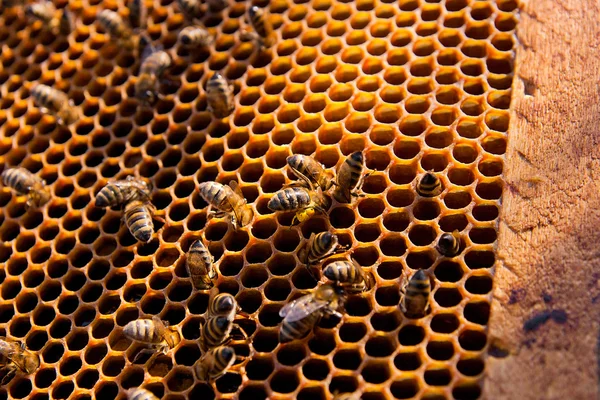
(417, 84)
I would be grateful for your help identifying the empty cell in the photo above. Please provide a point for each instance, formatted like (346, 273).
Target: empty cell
(438, 377)
(457, 200)
(447, 297)
(343, 384)
(470, 366)
(440, 350)
(479, 284)
(448, 271)
(404, 389)
(407, 361)
(452, 222)
(376, 372)
(472, 340)
(358, 306)
(352, 332)
(254, 276)
(477, 312)
(284, 381)
(422, 235)
(393, 245)
(367, 233)
(277, 289)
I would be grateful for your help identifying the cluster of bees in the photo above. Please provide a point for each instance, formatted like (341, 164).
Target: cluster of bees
(309, 195)
(154, 61)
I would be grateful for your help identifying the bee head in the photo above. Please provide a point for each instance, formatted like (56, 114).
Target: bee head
(254, 10)
(428, 179)
(446, 240)
(186, 40)
(357, 157)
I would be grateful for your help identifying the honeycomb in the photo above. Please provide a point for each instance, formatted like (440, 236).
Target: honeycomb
(417, 84)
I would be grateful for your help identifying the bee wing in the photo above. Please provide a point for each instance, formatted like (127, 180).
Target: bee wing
(236, 200)
(159, 325)
(149, 49)
(236, 188)
(302, 307)
(366, 278)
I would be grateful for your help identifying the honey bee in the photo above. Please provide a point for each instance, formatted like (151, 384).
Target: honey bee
(319, 247)
(349, 274)
(217, 5)
(310, 171)
(55, 102)
(153, 332)
(214, 363)
(194, 36)
(219, 95)
(414, 301)
(220, 316)
(261, 23)
(154, 64)
(140, 394)
(301, 315)
(26, 183)
(123, 191)
(112, 23)
(191, 8)
(227, 200)
(449, 244)
(138, 217)
(52, 19)
(16, 357)
(429, 185)
(138, 13)
(299, 199)
(199, 265)
(348, 176)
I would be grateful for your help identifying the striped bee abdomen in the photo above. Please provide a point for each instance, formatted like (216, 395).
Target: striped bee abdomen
(139, 221)
(297, 329)
(342, 272)
(18, 179)
(215, 331)
(142, 330)
(290, 199)
(416, 297)
(429, 185)
(110, 196)
(216, 195)
(355, 163)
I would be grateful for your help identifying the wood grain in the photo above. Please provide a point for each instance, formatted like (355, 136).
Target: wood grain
(546, 308)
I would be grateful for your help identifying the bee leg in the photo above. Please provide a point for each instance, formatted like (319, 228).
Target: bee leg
(12, 369)
(311, 273)
(145, 351)
(241, 334)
